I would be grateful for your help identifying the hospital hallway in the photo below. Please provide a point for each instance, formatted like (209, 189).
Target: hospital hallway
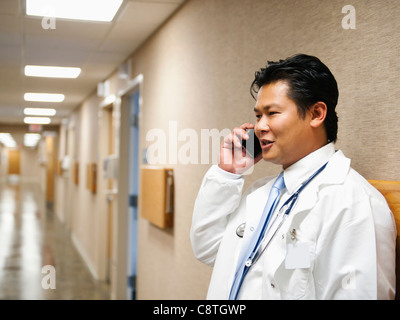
(32, 239)
(112, 113)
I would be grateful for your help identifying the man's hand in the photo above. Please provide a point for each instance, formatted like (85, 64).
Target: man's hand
(233, 157)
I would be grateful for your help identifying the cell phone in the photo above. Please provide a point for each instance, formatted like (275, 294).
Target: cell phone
(252, 145)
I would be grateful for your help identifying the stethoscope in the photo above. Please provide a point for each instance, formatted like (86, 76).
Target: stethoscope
(289, 203)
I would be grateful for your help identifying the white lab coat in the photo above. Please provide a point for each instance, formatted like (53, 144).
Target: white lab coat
(345, 222)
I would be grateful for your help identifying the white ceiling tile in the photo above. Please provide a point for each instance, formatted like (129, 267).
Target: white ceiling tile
(126, 37)
(41, 43)
(147, 12)
(98, 48)
(11, 7)
(10, 30)
(10, 55)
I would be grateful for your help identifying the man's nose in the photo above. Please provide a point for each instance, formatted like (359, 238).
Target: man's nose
(262, 125)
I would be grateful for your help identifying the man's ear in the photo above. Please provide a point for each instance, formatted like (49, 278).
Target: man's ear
(318, 114)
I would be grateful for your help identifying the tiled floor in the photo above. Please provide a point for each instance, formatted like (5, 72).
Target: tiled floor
(36, 252)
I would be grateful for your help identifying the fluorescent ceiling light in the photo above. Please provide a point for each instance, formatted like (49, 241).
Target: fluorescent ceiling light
(37, 120)
(7, 140)
(52, 72)
(31, 139)
(44, 97)
(39, 111)
(92, 10)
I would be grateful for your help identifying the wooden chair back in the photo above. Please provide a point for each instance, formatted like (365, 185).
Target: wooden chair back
(391, 191)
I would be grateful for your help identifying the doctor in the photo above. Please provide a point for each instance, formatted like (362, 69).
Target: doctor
(330, 234)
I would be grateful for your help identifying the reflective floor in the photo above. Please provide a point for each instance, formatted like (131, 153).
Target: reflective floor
(38, 260)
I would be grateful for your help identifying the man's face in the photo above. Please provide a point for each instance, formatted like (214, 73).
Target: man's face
(284, 135)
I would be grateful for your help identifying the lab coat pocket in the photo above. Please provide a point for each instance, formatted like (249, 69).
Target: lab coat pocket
(292, 283)
(294, 274)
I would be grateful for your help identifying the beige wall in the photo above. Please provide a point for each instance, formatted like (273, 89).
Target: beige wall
(85, 217)
(197, 71)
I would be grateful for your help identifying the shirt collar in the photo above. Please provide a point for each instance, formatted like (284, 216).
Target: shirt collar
(301, 170)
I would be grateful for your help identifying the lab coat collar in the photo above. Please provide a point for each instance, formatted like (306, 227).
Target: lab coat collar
(334, 173)
(336, 170)
(299, 172)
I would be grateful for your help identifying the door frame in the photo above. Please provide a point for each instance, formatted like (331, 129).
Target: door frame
(122, 225)
(133, 190)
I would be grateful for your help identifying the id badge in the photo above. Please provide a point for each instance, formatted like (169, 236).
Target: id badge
(297, 256)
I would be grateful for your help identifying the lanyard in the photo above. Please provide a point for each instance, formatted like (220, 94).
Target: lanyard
(290, 203)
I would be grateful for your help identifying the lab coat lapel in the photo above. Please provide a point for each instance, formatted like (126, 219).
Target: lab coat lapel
(334, 173)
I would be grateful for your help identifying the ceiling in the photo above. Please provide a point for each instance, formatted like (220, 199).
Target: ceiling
(97, 48)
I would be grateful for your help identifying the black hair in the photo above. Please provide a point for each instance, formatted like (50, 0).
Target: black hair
(309, 81)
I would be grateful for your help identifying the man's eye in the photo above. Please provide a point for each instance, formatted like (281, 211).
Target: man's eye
(271, 113)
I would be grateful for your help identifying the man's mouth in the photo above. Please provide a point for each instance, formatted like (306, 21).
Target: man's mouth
(266, 143)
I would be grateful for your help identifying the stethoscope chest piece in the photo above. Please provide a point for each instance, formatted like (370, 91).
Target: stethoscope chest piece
(240, 230)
